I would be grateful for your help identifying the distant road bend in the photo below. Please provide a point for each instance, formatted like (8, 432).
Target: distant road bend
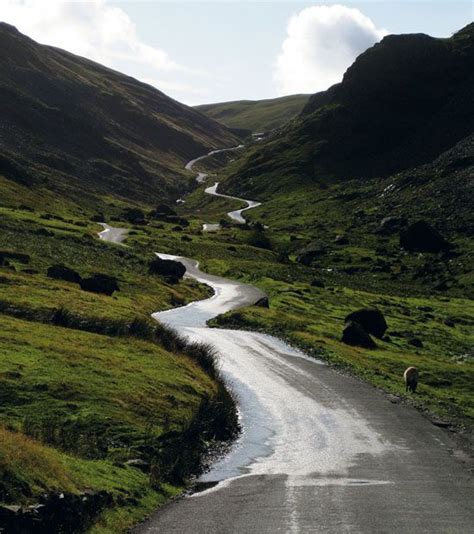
(319, 451)
(235, 215)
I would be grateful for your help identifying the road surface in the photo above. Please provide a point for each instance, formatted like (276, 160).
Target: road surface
(319, 452)
(113, 235)
(235, 215)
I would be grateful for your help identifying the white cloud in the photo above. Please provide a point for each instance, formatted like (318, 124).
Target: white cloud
(92, 29)
(321, 43)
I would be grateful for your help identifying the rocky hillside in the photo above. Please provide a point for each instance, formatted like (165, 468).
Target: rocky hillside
(82, 130)
(372, 183)
(402, 103)
(256, 115)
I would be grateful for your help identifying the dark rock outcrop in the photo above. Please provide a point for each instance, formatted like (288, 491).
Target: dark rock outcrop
(371, 320)
(100, 283)
(263, 302)
(341, 240)
(416, 342)
(422, 237)
(354, 334)
(134, 216)
(310, 253)
(61, 272)
(174, 270)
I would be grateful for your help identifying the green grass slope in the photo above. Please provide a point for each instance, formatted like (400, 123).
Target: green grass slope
(86, 384)
(401, 104)
(81, 130)
(424, 296)
(256, 115)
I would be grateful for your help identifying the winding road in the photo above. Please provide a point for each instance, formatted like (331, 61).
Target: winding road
(235, 215)
(319, 451)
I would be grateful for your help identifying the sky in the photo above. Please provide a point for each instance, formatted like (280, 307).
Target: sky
(202, 52)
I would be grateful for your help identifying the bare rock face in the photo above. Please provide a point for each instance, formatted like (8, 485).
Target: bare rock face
(354, 334)
(371, 320)
(421, 237)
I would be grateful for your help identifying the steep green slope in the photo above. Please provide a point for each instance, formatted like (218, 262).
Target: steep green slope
(256, 115)
(74, 127)
(402, 103)
(96, 400)
(394, 139)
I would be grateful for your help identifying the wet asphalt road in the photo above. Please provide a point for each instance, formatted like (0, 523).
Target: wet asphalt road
(320, 451)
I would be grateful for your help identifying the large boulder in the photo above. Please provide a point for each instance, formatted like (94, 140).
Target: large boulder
(163, 210)
(371, 320)
(100, 283)
(61, 272)
(421, 237)
(174, 270)
(354, 334)
(134, 216)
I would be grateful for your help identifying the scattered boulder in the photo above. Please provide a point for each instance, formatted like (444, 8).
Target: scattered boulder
(100, 283)
(354, 334)
(371, 320)
(61, 272)
(162, 211)
(310, 253)
(421, 237)
(174, 270)
(134, 216)
(15, 256)
(341, 240)
(263, 302)
(259, 239)
(416, 342)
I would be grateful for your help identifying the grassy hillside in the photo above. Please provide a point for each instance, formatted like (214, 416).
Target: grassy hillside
(83, 131)
(387, 115)
(390, 146)
(256, 115)
(95, 402)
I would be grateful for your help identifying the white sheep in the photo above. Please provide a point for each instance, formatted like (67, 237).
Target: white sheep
(411, 378)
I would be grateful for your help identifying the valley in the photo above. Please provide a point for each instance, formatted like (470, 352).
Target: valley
(159, 332)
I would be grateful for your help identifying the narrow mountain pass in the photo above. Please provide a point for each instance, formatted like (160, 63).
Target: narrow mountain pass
(319, 451)
(235, 215)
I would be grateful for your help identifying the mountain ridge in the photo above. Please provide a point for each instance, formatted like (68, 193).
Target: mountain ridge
(256, 115)
(402, 103)
(75, 126)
